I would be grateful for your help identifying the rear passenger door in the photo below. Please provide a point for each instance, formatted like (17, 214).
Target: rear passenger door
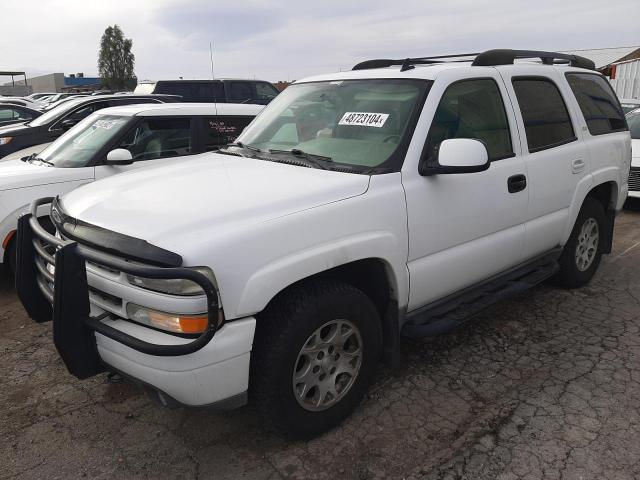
(553, 151)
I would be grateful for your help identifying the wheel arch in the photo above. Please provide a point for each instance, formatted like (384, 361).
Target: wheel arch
(375, 277)
(606, 193)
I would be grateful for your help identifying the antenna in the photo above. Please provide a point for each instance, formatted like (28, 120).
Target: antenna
(211, 56)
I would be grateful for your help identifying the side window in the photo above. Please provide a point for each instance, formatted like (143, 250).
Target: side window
(598, 103)
(546, 119)
(239, 92)
(472, 109)
(12, 114)
(83, 112)
(265, 91)
(155, 138)
(224, 129)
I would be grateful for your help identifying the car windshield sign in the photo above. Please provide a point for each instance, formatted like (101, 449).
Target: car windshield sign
(77, 147)
(358, 123)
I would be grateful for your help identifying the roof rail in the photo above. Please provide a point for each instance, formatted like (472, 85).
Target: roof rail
(507, 57)
(488, 58)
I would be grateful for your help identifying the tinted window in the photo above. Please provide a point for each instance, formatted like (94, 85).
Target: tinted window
(266, 91)
(546, 119)
(84, 112)
(472, 109)
(159, 138)
(598, 103)
(205, 92)
(222, 130)
(239, 92)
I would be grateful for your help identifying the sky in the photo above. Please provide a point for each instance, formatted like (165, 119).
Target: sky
(291, 39)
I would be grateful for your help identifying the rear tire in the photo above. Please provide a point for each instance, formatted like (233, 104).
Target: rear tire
(582, 253)
(316, 352)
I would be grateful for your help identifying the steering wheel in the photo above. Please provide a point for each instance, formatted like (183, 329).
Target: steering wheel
(390, 138)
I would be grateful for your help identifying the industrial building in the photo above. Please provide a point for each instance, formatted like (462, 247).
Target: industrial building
(53, 82)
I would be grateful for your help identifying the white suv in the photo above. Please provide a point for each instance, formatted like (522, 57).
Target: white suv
(398, 198)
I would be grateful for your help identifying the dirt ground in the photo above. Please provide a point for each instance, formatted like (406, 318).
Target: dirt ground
(546, 385)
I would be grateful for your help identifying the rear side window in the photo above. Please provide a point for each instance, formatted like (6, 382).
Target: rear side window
(194, 92)
(472, 109)
(240, 92)
(222, 130)
(598, 103)
(546, 119)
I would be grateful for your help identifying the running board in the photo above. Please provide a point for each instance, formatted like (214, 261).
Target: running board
(452, 311)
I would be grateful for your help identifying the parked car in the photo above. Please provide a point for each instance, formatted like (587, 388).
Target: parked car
(40, 96)
(633, 119)
(10, 113)
(629, 104)
(23, 102)
(54, 123)
(111, 141)
(399, 198)
(52, 105)
(220, 91)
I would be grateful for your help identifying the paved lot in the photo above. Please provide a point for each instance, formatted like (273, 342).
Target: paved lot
(543, 386)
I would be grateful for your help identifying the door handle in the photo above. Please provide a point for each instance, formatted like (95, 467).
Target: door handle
(577, 165)
(516, 183)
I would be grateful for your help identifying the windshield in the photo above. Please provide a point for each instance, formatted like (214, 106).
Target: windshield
(361, 123)
(78, 146)
(54, 113)
(633, 120)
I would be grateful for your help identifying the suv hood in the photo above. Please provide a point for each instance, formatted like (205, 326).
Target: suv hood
(18, 174)
(208, 192)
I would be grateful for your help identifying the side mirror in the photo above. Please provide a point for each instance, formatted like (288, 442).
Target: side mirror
(67, 123)
(457, 155)
(119, 156)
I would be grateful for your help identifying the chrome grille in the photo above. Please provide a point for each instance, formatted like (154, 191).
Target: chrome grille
(634, 179)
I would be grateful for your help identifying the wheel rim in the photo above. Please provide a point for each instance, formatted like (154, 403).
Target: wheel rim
(327, 365)
(587, 244)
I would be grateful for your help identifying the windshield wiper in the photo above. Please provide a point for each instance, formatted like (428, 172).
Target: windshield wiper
(241, 145)
(319, 161)
(41, 160)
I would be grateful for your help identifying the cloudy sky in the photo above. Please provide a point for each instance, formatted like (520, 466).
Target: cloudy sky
(289, 39)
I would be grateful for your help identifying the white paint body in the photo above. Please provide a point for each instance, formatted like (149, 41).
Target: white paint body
(21, 182)
(262, 226)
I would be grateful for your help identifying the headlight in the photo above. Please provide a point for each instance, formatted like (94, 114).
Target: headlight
(173, 286)
(172, 322)
(5, 140)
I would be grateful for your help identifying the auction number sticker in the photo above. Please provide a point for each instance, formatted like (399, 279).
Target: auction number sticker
(364, 119)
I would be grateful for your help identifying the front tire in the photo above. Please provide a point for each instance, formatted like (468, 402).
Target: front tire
(582, 253)
(316, 351)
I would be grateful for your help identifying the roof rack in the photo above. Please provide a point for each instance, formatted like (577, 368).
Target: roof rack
(488, 58)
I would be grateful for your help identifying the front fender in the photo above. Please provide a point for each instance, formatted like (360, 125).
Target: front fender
(274, 277)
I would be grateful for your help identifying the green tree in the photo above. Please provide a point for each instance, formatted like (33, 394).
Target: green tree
(116, 61)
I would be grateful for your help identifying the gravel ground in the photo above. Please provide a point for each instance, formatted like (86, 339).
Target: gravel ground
(546, 385)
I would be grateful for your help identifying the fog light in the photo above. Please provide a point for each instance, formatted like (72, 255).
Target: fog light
(171, 322)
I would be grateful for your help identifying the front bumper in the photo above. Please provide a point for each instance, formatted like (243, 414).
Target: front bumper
(191, 371)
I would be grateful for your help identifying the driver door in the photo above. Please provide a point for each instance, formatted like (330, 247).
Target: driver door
(153, 140)
(466, 227)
